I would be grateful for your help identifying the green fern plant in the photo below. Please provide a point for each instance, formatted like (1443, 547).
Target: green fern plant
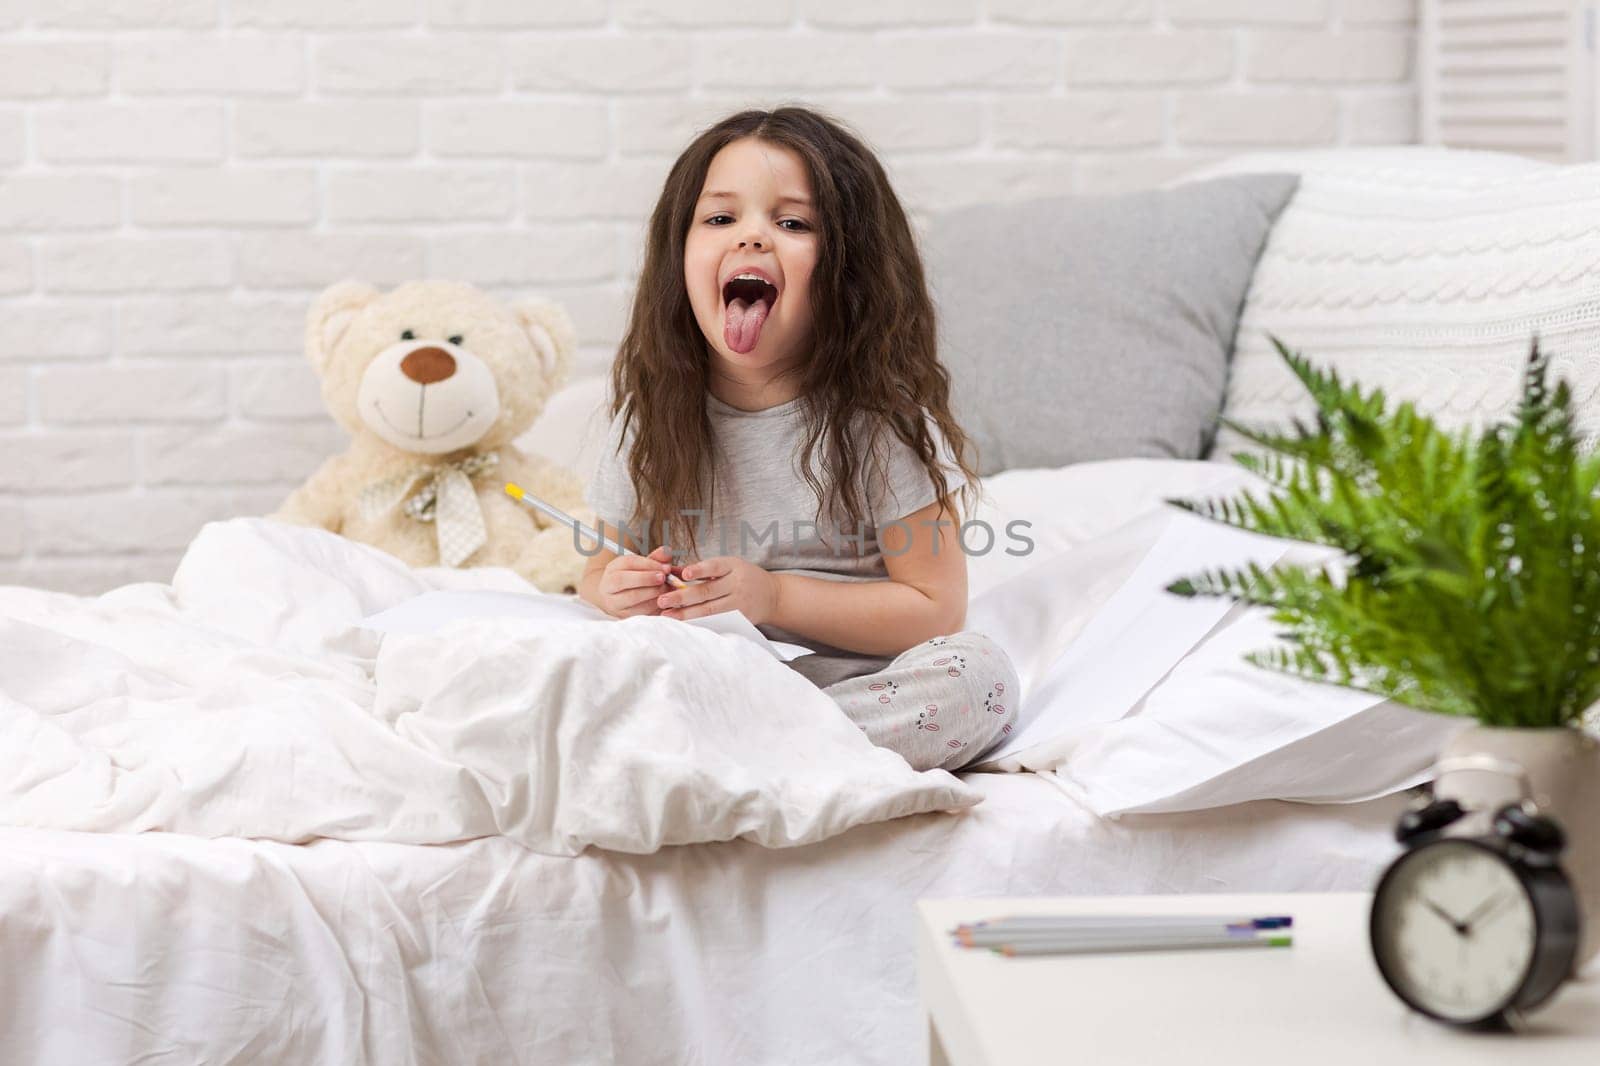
(1469, 580)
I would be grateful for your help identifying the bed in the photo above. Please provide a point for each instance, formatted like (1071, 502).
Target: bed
(164, 947)
(348, 873)
(437, 913)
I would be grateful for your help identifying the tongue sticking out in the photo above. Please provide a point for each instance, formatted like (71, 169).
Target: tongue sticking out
(741, 327)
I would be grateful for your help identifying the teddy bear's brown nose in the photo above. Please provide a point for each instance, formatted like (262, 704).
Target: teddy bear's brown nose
(427, 365)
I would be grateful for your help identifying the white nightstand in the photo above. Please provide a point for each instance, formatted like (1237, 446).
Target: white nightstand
(1320, 1001)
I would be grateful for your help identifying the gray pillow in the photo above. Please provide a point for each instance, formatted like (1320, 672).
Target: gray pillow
(1089, 328)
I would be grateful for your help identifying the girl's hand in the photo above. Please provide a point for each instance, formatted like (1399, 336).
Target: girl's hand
(630, 583)
(726, 583)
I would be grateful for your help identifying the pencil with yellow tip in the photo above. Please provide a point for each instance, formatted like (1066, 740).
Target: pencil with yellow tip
(517, 492)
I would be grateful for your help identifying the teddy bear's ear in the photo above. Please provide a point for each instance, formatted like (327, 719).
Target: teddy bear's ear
(554, 338)
(330, 315)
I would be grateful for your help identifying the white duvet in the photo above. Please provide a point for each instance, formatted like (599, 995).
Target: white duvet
(243, 700)
(161, 948)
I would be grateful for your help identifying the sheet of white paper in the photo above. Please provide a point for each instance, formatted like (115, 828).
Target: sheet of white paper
(432, 611)
(737, 624)
(1142, 632)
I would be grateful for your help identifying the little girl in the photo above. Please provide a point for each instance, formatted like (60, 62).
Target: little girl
(780, 363)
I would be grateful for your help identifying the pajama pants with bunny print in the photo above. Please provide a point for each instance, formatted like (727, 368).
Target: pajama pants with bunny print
(942, 703)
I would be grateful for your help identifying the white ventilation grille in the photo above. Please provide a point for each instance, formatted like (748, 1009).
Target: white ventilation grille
(1511, 76)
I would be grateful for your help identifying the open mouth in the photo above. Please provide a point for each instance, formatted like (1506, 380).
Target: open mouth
(746, 299)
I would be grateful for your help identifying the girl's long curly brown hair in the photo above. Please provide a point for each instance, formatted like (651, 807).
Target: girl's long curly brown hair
(874, 363)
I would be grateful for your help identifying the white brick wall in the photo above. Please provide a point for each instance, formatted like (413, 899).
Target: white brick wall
(179, 177)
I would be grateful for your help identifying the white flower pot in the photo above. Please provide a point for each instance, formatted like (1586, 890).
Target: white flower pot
(1563, 767)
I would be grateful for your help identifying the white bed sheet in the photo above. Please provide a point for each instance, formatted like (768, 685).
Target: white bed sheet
(163, 948)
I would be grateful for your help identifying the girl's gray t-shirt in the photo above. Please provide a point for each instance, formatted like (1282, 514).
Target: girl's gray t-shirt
(763, 510)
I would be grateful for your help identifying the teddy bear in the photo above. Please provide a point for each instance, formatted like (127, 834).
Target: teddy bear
(434, 380)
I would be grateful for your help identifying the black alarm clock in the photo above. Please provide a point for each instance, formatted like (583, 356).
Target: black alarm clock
(1476, 930)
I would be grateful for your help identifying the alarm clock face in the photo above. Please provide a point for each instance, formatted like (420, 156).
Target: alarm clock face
(1454, 931)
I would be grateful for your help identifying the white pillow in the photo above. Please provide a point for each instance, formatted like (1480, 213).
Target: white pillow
(1071, 505)
(572, 429)
(1218, 731)
(1424, 272)
(1412, 158)
(1163, 712)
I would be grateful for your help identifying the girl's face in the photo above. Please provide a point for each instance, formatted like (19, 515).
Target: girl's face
(748, 258)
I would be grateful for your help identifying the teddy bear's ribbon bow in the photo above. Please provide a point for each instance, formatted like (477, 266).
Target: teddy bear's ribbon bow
(446, 498)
